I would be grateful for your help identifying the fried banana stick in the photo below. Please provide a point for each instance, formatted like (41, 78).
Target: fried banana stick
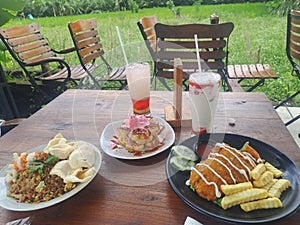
(242, 197)
(268, 203)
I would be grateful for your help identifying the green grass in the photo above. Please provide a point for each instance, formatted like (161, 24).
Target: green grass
(257, 37)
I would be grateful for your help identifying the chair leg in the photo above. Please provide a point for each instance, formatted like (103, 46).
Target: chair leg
(288, 99)
(163, 81)
(292, 120)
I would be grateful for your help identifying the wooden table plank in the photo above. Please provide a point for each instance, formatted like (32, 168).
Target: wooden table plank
(133, 192)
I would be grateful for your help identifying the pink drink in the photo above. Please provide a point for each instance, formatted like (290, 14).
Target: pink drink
(138, 79)
(203, 93)
(141, 106)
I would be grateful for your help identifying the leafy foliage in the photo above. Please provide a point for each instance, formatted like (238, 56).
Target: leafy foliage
(8, 9)
(282, 7)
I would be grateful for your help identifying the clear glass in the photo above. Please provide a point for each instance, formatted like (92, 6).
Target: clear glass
(203, 94)
(138, 79)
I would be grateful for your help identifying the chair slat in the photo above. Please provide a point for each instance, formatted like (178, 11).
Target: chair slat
(83, 25)
(39, 58)
(182, 44)
(269, 71)
(35, 52)
(88, 34)
(24, 40)
(92, 56)
(89, 50)
(87, 42)
(20, 31)
(31, 46)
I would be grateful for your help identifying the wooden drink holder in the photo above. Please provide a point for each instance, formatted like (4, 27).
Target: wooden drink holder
(178, 115)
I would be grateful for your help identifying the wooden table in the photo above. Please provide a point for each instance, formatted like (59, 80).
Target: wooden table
(133, 192)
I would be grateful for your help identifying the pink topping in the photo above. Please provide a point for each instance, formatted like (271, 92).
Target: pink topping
(136, 121)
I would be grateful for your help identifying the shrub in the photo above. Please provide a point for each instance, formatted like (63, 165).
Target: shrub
(282, 7)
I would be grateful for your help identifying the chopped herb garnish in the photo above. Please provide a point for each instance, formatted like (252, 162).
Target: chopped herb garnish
(51, 159)
(218, 202)
(36, 166)
(39, 165)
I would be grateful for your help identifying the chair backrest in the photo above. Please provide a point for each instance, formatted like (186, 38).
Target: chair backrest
(26, 44)
(293, 40)
(86, 40)
(177, 41)
(146, 26)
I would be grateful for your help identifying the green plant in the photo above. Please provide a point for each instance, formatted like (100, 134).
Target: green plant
(282, 7)
(133, 6)
(9, 9)
(175, 10)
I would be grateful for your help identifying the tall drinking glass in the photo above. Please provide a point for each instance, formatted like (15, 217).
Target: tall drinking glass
(138, 79)
(203, 93)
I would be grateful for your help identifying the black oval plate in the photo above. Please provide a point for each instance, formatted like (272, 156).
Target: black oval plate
(290, 198)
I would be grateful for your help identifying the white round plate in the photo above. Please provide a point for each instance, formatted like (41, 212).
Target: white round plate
(111, 130)
(12, 204)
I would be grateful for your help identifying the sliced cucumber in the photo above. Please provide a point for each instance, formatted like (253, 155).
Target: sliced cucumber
(184, 152)
(181, 164)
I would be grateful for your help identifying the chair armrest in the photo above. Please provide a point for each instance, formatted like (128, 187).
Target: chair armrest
(46, 60)
(64, 51)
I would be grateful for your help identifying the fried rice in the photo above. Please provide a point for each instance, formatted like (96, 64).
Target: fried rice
(35, 188)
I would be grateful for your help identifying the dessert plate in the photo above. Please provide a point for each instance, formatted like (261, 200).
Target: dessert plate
(12, 204)
(290, 198)
(110, 132)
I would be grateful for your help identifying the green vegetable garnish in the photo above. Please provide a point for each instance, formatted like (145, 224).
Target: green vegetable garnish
(38, 165)
(245, 145)
(51, 159)
(218, 202)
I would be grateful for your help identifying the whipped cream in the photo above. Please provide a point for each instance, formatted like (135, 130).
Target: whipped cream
(136, 121)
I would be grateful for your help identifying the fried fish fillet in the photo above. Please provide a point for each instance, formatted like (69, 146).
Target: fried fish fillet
(224, 165)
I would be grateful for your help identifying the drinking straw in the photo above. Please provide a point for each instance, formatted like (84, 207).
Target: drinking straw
(197, 52)
(122, 46)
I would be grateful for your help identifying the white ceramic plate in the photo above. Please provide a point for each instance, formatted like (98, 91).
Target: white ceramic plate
(12, 204)
(167, 135)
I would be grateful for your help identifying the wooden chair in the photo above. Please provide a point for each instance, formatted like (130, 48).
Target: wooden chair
(177, 41)
(38, 60)
(146, 26)
(91, 54)
(293, 53)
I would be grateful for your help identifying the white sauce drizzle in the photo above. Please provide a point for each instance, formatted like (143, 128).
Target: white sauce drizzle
(217, 192)
(213, 171)
(254, 159)
(241, 171)
(223, 164)
(234, 154)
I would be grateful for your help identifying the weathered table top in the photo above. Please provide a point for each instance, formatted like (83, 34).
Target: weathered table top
(133, 191)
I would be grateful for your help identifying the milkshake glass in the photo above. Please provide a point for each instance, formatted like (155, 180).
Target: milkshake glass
(203, 94)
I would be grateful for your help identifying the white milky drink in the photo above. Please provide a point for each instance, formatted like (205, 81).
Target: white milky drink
(138, 79)
(203, 94)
